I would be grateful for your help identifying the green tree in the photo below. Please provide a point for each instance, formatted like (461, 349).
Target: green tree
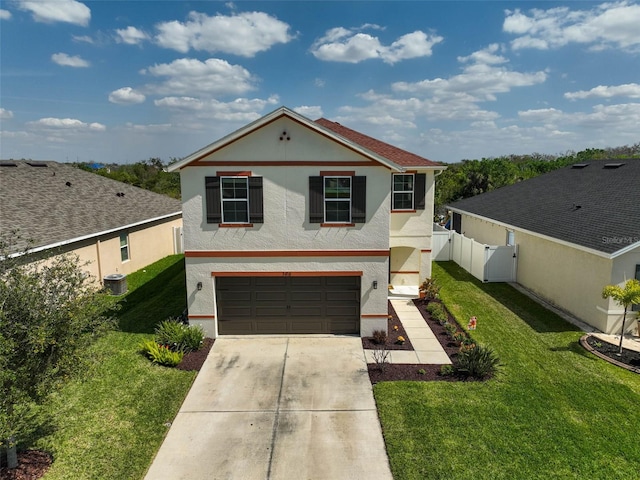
(627, 296)
(49, 311)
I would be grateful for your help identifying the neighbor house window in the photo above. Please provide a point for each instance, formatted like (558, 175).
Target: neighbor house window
(124, 247)
(511, 238)
(408, 191)
(337, 199)
(403, 192)
(636, 307)
(234, 200)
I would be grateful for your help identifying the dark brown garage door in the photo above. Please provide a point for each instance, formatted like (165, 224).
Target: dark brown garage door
(288, 304)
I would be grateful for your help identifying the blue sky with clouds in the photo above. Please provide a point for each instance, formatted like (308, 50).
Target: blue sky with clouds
(123, 81)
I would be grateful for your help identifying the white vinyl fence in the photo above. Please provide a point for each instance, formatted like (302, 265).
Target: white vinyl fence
(488, 263)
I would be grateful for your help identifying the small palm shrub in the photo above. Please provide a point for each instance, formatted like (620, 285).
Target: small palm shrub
(477, 361)
(429, 289)
(178, 336)
(160, 354)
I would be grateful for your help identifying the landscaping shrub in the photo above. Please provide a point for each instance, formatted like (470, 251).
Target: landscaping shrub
(437, 312)
(477, 361)
(178, 336)
(160, 354)
(380, 337)
(430, 289)
(446, 370)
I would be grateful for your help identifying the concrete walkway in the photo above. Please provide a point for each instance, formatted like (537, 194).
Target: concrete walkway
(427, 348)
(277, 408)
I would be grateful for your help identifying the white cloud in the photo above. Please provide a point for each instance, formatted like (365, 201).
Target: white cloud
(188, 76)
(631, 90)
(310, 111)
(601, 119)
(126, 96)
(4, 14)
(5, 114)
(606, 25)
(352, 46)
(131, 36)
(67, 61)
(485, 56)
(49, 11)
(67, 124)
(240, 110)
(82, 39)
(243, 34)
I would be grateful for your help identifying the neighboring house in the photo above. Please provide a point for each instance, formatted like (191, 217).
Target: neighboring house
(116, 227)
(296, 226)
(577, 229)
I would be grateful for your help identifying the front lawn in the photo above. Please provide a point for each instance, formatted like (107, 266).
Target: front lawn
(109, 423)
(554, 410)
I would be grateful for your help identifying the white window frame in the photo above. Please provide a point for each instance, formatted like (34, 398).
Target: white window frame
(325, 199)
(124, 248)
(511, 238)
(412, 192)
(223, 200)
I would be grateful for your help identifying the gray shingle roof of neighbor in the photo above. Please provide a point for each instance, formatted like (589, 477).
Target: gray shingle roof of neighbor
(53, 203)
(592, 204)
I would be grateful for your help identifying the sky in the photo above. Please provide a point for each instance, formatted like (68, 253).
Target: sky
(124, 81)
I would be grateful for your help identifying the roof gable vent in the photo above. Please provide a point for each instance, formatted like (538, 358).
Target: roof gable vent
(579, 165)
(613, 165)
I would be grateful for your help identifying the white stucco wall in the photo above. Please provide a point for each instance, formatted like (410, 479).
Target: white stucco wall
(286, 218)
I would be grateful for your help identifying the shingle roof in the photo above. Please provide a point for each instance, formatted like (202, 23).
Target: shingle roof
(54, 203)
(395, 154)
(593, 206)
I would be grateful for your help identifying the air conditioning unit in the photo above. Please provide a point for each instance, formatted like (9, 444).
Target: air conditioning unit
(116, 283)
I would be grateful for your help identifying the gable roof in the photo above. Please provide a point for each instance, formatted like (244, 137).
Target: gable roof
(377, 151)
(591, 204)
(395, 154)
(55, 204)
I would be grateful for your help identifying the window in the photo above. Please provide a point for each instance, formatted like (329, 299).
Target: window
(403, 192)
(124, 247)
(336, 199)
(409, 191)
(234, 200)
(511, 238)
(636, 307)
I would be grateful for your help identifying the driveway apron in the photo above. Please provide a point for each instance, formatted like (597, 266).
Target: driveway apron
(277, 408)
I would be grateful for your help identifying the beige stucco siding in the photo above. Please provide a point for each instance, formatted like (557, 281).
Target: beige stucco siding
(484, 231)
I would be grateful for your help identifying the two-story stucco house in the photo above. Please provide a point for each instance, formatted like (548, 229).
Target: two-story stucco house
(297, 226)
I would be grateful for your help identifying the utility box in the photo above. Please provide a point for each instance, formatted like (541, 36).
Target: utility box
(116, 283)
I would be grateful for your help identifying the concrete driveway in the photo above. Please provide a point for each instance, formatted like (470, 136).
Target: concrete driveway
(277, 408)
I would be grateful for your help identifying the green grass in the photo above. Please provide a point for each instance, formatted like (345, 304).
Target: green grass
(110, 422)
(554, 411)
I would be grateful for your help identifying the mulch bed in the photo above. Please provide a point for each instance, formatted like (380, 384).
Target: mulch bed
(416, 372)
(32, 464)
(395, 329)
(629, 359)
(194, 360)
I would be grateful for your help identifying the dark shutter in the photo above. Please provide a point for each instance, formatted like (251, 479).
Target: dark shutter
(420, 188)
(316, 200)
(636, 307)
(359, 199)
(212, 199)
(256, 214)
(457, 222)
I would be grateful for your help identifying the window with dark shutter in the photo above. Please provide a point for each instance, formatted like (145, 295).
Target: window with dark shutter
(636, 307)
(421, 190)
(256, 213)
(212, 199)
(316, 200)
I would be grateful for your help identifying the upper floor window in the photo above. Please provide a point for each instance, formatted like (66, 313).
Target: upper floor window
(124, 247)
(337, 199)
(403, 191)
(408, 191)
(234, 200)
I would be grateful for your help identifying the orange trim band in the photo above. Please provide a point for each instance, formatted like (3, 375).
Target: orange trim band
(407, 272)
(235, 225)
(374, 315)
(284, 253)
(284, 163)
(426, 250)
(202, 316)
(336, 173)
(288, 274)
(403, 211)
(233, 174)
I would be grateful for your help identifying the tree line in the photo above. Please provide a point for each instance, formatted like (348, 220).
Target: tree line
(472, 177)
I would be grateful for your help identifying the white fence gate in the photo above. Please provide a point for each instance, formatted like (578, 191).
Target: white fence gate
(178, 245)
(488, 263)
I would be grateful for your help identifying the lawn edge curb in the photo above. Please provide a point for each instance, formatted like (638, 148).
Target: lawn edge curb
(585, 344)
